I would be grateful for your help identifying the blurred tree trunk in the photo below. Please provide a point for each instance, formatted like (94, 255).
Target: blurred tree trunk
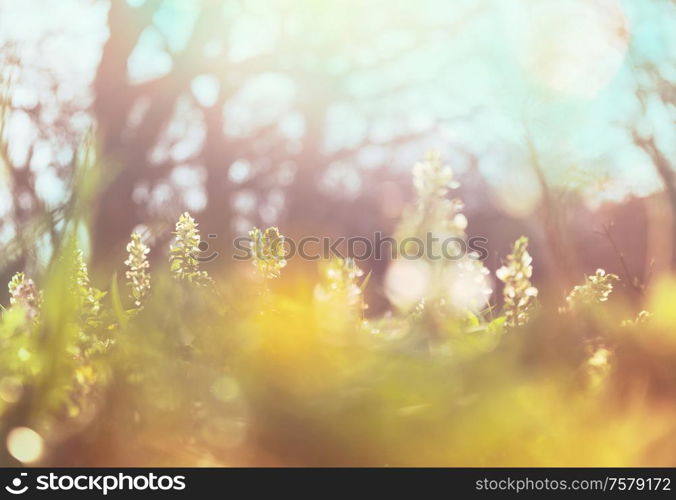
(124, 151)
(666, 173)
(217, 158)
(115, 215)
(561, 252)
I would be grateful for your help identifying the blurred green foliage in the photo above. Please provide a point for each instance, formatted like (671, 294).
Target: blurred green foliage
(179, 369)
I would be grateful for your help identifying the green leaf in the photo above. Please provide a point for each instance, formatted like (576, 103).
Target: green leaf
(365, 282)
(120, 313)
(497, 325)
(473, 320)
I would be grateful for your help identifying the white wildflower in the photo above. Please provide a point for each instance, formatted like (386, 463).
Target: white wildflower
(183, 263)
(269, 255)
(137, 275)
(518, 293)
(596, 288)
(24, 293)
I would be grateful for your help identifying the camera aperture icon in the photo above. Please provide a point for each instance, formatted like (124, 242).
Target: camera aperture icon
(203, 247)
(15, 488)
